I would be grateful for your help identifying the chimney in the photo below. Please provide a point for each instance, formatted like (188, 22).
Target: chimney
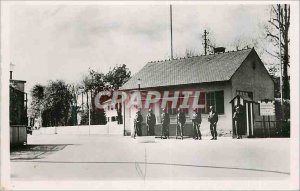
(219, 49)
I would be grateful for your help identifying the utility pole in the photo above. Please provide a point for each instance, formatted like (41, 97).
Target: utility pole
(90, 108)
(205, 42)
(171, 28)
(280, 60)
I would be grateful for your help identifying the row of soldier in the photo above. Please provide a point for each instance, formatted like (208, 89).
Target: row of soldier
(181, 120)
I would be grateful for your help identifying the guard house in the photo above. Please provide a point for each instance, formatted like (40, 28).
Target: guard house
(220, 77)
(18, 112)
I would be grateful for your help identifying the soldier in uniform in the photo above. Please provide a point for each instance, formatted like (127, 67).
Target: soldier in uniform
(151, 121)
(165, 124)
(138, 124)
(213, 119)
(180, 123)
(237, 122)
(196, 119)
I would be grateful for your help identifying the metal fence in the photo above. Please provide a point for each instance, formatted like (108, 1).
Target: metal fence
(275, 128)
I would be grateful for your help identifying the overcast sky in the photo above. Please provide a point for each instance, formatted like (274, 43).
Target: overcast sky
(49, 42)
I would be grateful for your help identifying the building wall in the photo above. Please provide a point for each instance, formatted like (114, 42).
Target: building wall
(17, 107)
(225, 120)
(256, 80)
(111, 113)
(18, 135)
(252, 76)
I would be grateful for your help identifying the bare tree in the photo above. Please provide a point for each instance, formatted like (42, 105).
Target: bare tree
(280, 21)
(242, 42)
(189, 53)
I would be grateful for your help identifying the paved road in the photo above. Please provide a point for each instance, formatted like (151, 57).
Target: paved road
(100, 157)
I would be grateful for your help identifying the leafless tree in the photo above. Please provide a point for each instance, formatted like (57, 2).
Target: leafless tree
(242, 42)
(189, 53)
(280, 21)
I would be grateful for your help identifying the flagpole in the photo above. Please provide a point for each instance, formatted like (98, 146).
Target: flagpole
(171, 28)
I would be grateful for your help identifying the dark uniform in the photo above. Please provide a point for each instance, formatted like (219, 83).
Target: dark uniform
(196, 119)
(180, 123)
(165, 125)
(237, 118)
(151, 121)
(213, 119)
(138, 124)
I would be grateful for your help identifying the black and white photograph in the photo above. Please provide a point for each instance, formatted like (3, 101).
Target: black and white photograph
(166, 95)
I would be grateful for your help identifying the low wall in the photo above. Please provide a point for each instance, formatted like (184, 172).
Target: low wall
(110, 129)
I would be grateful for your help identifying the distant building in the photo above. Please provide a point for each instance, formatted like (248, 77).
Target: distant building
(18, 112)
(220, 77)
(18, 103)
(110, 112)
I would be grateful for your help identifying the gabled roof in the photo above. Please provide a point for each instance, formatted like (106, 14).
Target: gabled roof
(197, 69)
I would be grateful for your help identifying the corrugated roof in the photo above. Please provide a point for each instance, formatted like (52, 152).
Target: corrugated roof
(197, 69)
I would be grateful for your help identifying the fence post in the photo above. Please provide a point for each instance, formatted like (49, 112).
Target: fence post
(264, 124)
(18, 135)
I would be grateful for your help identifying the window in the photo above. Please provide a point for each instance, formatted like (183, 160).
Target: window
(180, 101)
(206, 99)
(201, 101)
(210, 100)
(219, 95)
(215, 99)
(171, 111)
(253, 65)
(174, 111)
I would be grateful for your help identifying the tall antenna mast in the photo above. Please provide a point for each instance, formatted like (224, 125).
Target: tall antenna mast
(171, 32)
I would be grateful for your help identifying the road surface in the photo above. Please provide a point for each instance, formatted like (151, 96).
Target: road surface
(112, 157)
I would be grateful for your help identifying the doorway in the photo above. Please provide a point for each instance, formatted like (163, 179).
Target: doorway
(247, 116)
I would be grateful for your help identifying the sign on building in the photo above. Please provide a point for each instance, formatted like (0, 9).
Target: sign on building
(267, 108)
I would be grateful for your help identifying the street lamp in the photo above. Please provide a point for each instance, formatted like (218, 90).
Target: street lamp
(11, 68)
(89, 108)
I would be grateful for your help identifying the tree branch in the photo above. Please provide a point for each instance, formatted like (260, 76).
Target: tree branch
(274, 9)
(273, 36)
(276, 56)
(277, 27)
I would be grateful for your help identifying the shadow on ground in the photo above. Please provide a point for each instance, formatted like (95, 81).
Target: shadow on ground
(32, 152)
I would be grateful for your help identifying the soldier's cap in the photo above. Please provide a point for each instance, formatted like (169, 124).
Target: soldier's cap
(211, 107)
(150, 109)
(178, 109)
(164, 109)
(195, 109)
